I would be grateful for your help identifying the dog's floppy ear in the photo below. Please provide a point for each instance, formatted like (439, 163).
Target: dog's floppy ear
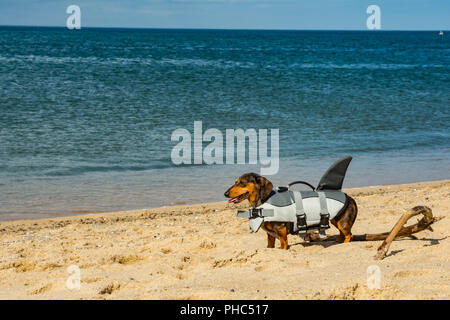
(265, 188)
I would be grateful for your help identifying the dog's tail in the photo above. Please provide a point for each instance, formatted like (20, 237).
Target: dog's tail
(399, 231)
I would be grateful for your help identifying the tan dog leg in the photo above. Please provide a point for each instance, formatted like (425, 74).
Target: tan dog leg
(345, 234)
(270, 240)
(284, 243)
(282, 236)
(276, 230)
(271, 234)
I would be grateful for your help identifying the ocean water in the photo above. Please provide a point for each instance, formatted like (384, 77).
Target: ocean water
(86, 116)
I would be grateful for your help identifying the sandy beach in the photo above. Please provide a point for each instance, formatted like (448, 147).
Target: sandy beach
(205, 252)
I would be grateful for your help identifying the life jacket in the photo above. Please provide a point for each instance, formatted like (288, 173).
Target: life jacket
(305, 209)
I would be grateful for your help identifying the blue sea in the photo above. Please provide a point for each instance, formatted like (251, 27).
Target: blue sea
(86, 116)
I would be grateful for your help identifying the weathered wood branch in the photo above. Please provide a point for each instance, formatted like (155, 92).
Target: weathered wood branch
(399, 231)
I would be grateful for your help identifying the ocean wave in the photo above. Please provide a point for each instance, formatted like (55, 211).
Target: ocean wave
(80, 170)
(219, 63)
(129, 61)
(372, 66)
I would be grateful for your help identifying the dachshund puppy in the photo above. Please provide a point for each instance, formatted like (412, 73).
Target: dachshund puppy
(257, 189)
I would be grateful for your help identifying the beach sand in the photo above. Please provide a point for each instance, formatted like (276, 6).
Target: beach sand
(205, 252)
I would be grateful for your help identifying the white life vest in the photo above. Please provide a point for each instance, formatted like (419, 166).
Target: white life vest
(304, 209)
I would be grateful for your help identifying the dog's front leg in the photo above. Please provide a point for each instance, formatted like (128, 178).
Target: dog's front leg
(281, 232)
(270, 239)
(283, 240)
(271, 235)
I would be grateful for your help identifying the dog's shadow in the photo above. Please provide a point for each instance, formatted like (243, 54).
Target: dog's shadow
(324, 243)
(329, 243)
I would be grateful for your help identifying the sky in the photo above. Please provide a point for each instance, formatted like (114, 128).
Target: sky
(231, 14)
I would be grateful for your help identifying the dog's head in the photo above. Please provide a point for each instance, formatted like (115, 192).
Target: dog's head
(250, 186)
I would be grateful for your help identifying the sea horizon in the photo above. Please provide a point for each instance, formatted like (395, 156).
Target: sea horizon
(221, 29)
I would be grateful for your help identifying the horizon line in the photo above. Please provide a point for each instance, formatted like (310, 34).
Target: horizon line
(224, 29)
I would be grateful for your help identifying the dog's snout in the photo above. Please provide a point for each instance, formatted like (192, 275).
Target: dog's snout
(227, 193)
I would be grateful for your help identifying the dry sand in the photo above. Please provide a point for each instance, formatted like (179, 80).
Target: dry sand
(206, 252)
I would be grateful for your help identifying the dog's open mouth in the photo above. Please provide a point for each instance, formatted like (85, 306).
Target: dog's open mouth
(238, 198)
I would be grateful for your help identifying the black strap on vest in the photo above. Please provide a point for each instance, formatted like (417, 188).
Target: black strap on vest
(324, 214)
(300, 212)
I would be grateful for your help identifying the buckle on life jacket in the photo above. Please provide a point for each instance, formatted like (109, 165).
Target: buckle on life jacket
(301, 222)
(255, 213)
(324, 221)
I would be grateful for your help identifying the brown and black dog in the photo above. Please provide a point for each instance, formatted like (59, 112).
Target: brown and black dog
(256, 189)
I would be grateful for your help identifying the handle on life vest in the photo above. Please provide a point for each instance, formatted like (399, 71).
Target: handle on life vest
(301, 182)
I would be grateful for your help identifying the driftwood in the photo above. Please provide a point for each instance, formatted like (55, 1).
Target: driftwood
(399, 231)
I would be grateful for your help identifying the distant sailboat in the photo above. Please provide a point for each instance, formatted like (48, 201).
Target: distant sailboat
(441, 33)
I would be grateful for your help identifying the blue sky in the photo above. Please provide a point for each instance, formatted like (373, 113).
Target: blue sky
(231, 14)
